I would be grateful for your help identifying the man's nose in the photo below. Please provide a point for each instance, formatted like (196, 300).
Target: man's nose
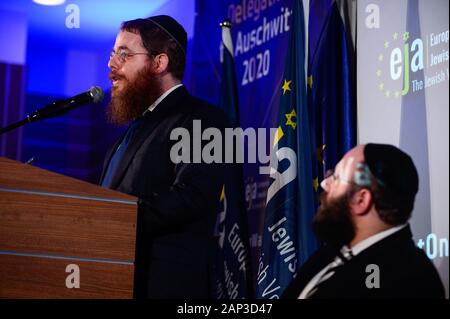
(112, 63)
(325, 183)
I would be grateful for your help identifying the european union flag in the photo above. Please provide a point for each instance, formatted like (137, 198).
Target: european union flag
(331, 84)
(287, 236)
(232, 272)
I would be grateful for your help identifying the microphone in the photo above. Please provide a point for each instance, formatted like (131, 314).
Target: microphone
(94, 95)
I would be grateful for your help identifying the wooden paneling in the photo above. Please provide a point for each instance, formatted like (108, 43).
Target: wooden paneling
(48, 221)
(32, 277)
(67, 227)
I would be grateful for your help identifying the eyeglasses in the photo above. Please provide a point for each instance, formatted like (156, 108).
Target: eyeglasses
(123, 55)
(330, 177)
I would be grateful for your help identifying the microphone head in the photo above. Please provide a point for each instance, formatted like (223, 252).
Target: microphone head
(96, 93)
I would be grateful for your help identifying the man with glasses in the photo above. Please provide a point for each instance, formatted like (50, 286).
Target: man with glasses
(177, 201)
(363, 221)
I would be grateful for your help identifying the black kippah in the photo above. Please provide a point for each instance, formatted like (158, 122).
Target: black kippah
(172, 28)
(393, 169)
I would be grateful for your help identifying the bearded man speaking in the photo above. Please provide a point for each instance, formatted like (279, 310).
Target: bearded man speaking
(177, 201)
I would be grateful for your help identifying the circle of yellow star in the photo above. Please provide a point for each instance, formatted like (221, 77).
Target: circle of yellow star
(405, 36)
(316, 183)
(285, 86)
(291, 119)
(310, 81)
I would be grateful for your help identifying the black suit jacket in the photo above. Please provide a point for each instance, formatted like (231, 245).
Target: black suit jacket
(404, 271)
(177, 202)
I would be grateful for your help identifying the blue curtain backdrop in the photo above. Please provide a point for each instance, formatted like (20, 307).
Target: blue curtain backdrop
(331, 85)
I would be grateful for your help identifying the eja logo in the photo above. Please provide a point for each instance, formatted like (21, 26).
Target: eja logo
(398, 59)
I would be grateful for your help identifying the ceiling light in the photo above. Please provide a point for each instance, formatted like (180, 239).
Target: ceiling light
(49, 2)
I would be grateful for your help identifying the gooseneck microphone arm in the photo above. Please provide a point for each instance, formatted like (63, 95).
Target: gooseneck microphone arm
(94, 95)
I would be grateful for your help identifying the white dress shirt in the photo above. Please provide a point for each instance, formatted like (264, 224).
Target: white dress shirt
(162, 97)
(348, 253)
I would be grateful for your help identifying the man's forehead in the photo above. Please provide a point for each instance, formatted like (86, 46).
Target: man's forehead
(351, 158)
(128, 40)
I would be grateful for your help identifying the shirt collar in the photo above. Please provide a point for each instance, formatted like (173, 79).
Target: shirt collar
(366, 243)
(162, 97)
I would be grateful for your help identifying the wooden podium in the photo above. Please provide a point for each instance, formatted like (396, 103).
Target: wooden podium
(55, 230)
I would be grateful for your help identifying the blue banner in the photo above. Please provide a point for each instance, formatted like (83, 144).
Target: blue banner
(331, 84)
(232, 272)
(290, 205)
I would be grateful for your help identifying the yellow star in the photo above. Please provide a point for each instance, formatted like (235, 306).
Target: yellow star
(397, 93)
(319, 153)
(405, 36)
(222, 194)
(316, 183)
(285, 86)
(310, 81)
(388, 93)
(378, 73)
(380, 58)
(291, 119)
(386, 44)
(381, 86)
(278, 135)
(395, 36)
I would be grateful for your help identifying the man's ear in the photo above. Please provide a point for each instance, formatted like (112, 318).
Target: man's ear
(362, 202)
(161, 63)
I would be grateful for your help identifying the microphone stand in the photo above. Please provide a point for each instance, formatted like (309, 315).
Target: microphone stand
(94, 95)
(51, 110)
(14, 125)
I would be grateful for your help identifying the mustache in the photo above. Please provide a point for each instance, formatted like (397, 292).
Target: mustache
(114, 76)
(323, 198)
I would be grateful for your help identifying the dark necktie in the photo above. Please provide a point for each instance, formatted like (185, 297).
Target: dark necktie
(340, 260)
(118, 154)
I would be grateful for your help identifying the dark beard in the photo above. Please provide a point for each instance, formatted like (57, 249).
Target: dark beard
(332, 223)
(131, 102)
